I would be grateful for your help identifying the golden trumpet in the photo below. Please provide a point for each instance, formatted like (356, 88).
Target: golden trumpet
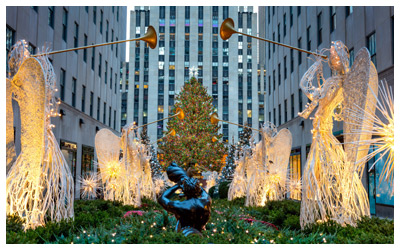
(228, 29)
(215, 120)
(214, 139)
(150, 37)
(172, 132)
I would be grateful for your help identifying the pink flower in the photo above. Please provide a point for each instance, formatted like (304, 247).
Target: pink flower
(129, 213)
(218, 212)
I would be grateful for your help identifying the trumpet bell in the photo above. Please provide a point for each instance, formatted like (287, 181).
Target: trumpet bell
(227, 29)
(173, 133)
(214, 118)
(180, 113)
(214, 139)
(150, 37)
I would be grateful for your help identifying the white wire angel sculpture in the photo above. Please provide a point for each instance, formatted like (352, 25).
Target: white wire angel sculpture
(39, 182)
(128, 179)
(332, 186)
(267, 170)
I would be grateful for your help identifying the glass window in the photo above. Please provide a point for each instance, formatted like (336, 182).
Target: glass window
(65, 25)
(51, 16)
(295, 174)
(371, 43)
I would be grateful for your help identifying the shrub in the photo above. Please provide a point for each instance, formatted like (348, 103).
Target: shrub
(223, 189)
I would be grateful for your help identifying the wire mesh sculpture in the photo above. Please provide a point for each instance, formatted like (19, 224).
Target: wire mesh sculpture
(127, 179)
(211, 179)
(267, 170)
(39, 182)
(381, 124)
(332, 184)
(261, 176)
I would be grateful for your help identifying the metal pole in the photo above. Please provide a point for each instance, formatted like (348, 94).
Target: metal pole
(285, 45)
(86, 47)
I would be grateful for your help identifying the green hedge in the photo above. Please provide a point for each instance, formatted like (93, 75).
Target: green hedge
(102, 221)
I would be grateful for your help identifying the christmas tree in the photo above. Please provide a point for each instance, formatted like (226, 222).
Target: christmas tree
(245, 139)
(193, 144)
(156, 168)
(144, 138)
(229, 169)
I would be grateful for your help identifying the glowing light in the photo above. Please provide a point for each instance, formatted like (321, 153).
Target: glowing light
(331, 183)
(89, 185)
(39, 181)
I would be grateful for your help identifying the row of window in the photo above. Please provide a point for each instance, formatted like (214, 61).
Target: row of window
(83, 99)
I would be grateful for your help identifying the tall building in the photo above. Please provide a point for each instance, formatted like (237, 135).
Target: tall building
(86, 79)
(313, 28)
(189, 37)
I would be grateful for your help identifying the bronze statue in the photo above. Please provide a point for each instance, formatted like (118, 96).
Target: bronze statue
(193, 213)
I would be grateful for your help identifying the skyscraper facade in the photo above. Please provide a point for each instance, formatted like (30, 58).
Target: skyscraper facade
(87, 80)
(189, 37)
(313, 28)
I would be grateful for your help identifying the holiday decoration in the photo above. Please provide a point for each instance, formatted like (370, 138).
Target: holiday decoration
(39, 182)
(211, 179)
(229, 169)
(267, 169)
(193, 142)
(89, 186)
(261, 175)
(128, 179)
(381, 124)
(332, 184)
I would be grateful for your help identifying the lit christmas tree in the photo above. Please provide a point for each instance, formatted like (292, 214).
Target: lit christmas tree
(156, 168)
(229, 169)
(194, 142)
(245, 139)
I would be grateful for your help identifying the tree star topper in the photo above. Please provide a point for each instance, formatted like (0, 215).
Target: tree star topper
(193, 71)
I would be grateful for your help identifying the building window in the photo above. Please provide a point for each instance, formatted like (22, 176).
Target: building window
(109, 116)
(101, 21)
(100, 64)
(115, 118)
(65, 25)
(269, 85)
(349, 10)
(295, 173)
(351, 55)
(62, 84)
(93, 57)
(91, 104)
(299, 52)
(87, 160)
(104, 112)
(112, 39)
(308, 39)
(273, 39)
(298, 10)
(98, 108)
(225, 12)
(73, 92)
(94, 14)
(291, 16)
(87, 9)
(76, 36)
(333, 17)
(117, 13)
(280, 114)
(83, 98)
(51, 17)
(273, 79)
(371, 44)
(319, 28)
(284, 68)
(31, 49)
(286, 111)
(279, 74)
(291, 61)
(300, 100)
(274, 116)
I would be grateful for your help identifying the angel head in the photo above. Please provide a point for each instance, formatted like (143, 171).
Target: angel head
(339, 58)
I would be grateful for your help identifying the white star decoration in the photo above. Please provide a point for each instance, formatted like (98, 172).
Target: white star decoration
(193, 71)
